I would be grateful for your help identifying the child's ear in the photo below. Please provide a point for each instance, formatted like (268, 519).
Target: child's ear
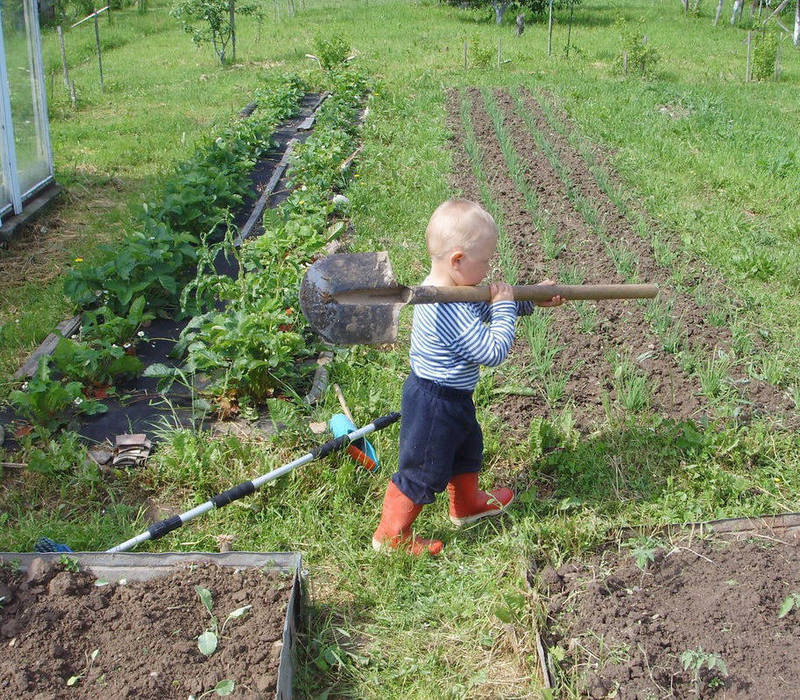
(456, 257)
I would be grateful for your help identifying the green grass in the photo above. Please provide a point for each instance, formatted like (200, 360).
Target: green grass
(460, 626)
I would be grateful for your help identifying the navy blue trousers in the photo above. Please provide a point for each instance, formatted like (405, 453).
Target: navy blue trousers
(439, 437)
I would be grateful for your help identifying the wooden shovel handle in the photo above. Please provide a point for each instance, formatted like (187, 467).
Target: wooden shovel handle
(534, 292)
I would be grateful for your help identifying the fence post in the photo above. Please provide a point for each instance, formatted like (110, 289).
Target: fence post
(63, 55)
(747, 69)
(99, 51)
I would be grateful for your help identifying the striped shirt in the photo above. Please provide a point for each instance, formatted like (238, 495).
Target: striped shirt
(449, 342)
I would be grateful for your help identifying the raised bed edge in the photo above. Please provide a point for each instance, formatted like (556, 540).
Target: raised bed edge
(142, 567)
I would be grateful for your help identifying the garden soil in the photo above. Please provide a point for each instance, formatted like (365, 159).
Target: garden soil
(145, 633)
(623, 629)
(621, 328)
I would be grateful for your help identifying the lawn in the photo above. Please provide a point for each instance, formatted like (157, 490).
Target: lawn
(703, 169)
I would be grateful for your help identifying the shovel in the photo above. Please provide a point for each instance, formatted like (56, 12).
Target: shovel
(354, 298)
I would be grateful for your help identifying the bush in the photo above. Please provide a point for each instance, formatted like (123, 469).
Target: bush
(332, 53)
(481, 56)
(637, 55)
(765, 55)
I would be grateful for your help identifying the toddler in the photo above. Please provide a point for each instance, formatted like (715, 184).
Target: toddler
(441, 445)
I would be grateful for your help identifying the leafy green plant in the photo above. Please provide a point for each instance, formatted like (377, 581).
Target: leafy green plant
(157, 260)
(208, 640)
(73, 680)
(332, 53)
(98, 364)
(791, 602)
(70, 564)
(222, 689)
(47, 402)
(765, 54)
(636, 54)
(695, 659)
(633, 387)
(255, 347)
(103, 326)
(481, 56)
(643, 550)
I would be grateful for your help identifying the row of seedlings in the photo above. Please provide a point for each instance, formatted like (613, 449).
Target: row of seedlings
(143, 276)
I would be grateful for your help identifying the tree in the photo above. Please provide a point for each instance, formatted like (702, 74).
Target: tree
(534, 7)
(212, 21)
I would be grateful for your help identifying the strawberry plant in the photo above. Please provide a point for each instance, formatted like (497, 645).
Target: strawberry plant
(256, 346)
(49, 403)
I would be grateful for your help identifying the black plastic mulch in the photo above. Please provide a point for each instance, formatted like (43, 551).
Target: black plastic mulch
(141, 408)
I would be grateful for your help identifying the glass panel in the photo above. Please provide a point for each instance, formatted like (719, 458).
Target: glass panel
(20, 30)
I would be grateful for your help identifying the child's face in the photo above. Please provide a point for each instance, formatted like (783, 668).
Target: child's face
(471, 267)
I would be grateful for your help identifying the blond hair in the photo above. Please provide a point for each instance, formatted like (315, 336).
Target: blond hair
(458, 223)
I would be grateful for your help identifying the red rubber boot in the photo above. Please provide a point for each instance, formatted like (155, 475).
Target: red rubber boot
(468, 503)
(394, 530)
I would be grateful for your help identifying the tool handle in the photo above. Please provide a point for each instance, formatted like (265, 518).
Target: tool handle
(533, 292)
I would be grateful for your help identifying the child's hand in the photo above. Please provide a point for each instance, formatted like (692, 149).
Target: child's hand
(555, 301)
(501, 291)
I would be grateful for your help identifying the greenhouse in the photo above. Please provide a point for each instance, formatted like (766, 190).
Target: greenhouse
(25, 151)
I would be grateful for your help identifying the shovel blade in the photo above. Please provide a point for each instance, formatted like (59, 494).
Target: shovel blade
(350, 324)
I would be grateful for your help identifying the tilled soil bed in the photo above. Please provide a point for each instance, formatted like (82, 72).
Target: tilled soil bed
(624, 631)
(145, 632)
(620, 329)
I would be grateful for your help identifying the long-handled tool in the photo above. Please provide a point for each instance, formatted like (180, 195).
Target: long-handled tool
(163, 527)
(354, 298)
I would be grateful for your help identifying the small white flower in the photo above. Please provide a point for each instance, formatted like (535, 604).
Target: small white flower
(25, 386)
(78, 401)
(140, 334)
(126, 346)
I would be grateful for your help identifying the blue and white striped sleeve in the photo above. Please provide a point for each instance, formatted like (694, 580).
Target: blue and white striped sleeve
(525, 308)
(461, 327)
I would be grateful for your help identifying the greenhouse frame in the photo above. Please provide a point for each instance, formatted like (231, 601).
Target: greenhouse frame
(25, 151)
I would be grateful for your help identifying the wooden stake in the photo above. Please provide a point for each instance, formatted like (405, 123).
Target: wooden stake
(719, 12)
(747, 69)
(99, 51)
(63, 55)
(569, 30)
(343, 403)
(550, 30)
(231, 13)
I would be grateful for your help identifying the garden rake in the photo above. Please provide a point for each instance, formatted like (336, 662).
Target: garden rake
(159, 529)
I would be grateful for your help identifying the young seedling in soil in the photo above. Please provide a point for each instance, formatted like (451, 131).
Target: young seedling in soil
(713, 374)
(222, 688)
(72, 680)
(643, 550)
(792, 602)
(536, 331)
(632, 387)
(694, 659)
(625, 261)
(69, 564)
(208, 640)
